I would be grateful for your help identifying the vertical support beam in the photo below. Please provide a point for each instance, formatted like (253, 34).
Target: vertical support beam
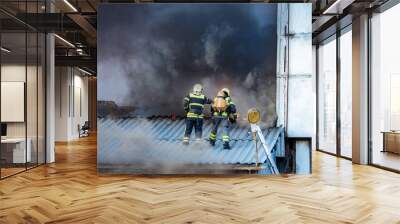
(360, 90)
(288, 71)
(317, 96)
(92, 99)
(50, 92)
(338, 99)
(26, 88)
(282, 64)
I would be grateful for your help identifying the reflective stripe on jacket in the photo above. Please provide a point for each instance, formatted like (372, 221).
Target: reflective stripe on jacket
(194, 105)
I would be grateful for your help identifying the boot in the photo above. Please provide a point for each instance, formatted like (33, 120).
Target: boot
(198, 141)
(212, 142)
(226, 145)
(185, 141)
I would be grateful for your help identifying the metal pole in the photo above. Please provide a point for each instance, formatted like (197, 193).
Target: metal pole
(255, 142)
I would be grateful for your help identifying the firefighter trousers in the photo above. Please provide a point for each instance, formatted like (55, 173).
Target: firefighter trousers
(217, 121)
(197, 124)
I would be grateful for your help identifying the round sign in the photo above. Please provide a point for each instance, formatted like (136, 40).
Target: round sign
(253, 116)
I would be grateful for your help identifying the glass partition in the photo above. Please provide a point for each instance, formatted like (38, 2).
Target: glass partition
(14, 153)
(32, 85)
(23, 91)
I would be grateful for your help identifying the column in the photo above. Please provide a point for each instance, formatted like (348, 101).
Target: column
(360, 90)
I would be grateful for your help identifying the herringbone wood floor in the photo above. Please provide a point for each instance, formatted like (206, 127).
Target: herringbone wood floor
(71, 191)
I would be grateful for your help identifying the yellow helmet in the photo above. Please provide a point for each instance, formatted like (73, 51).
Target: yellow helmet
(226, 91)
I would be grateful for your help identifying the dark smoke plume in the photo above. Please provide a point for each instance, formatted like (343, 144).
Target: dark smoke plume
(150, 55)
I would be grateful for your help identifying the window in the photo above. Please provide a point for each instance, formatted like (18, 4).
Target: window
(327, 97)
(346, 94)
(385, 89)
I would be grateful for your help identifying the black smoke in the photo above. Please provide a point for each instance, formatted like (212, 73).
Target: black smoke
(162, 50)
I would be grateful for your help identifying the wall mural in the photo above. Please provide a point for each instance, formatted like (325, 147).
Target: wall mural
(189, 88)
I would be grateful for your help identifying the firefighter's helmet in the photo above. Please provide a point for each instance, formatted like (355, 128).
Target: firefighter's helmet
(198, 89)
(226, 91)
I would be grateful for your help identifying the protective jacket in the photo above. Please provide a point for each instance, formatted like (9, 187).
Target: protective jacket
(194, 105)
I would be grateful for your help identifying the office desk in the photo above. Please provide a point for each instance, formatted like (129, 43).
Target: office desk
(16, 147)
(391, 142)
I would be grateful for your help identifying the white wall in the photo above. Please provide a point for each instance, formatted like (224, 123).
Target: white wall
(11, 73)
(80, 111)
(71, 102)
(62, 82)
(16, 73)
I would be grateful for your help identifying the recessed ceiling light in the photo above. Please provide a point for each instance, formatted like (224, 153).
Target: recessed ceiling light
(84, 71)
(70, 5)
(64, 40)
(5, 50)
(337, 7)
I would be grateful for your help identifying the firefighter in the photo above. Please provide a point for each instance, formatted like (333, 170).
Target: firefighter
(224, 113)
(193, 105)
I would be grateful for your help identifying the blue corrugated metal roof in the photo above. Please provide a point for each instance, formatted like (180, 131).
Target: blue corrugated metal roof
(167, 134)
